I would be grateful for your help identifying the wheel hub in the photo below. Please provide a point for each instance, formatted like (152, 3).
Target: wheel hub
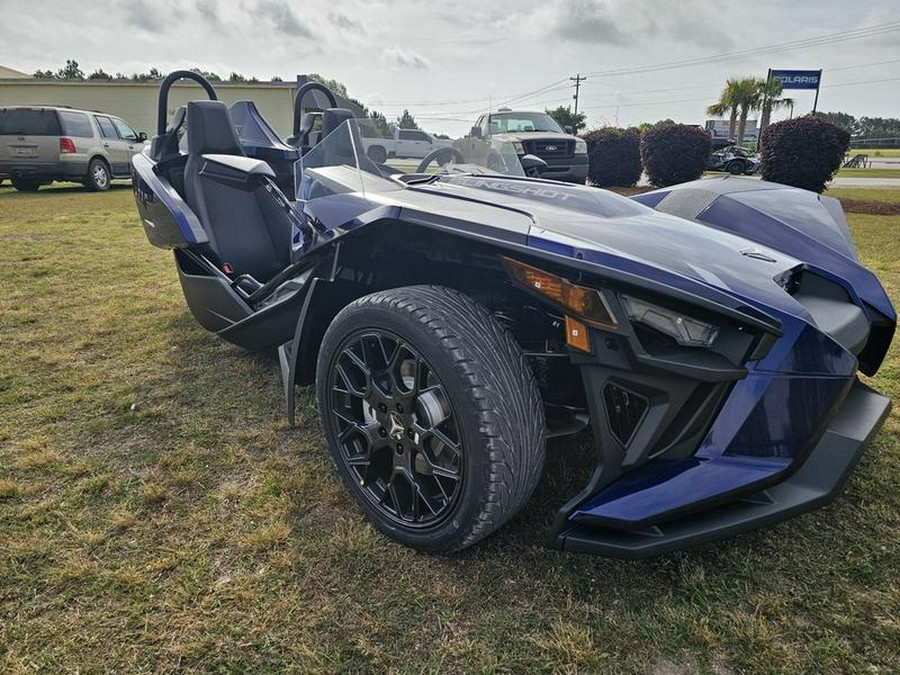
(395, 427)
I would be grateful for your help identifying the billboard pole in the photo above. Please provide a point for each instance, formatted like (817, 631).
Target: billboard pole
(818, 84)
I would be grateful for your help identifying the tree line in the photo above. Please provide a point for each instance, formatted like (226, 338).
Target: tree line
(863, 128)
(379, 124)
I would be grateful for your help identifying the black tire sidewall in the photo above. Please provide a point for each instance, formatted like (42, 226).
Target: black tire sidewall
(377, 154)
(452, 530)
(25, 184)
(735, 163)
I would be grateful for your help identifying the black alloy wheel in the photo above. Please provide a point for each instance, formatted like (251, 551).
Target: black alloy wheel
(433, 416)
(396, 430)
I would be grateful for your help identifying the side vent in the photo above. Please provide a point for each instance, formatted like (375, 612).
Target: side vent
(624, 410)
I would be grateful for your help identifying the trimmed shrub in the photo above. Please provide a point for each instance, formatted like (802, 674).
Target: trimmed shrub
(675, 153)
(804, 152)
(615, 156)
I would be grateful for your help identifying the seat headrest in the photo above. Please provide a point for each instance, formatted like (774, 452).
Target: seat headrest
(177, 120)
(332, 118)
(210, 131)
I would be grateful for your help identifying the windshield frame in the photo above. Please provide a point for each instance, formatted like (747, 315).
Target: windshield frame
(341, 163)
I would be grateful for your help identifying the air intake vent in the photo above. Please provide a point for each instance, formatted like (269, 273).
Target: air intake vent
(624, 410)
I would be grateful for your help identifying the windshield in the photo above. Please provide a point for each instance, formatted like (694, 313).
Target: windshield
(354, 159)
(523, 122)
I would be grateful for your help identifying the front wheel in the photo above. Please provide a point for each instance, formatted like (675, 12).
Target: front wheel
(735, 167)
(433, 416)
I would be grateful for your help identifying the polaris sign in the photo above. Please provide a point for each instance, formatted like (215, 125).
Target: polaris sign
(797, 79)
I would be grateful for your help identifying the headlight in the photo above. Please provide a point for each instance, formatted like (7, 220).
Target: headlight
(580, 147)
(685, 330)
(518, 147)
(587, 303)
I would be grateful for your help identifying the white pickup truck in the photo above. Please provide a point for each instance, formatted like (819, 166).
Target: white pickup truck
(406, 144)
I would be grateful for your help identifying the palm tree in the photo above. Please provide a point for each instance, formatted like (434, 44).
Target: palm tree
(726, 105)
(770, 91)
(747, 97)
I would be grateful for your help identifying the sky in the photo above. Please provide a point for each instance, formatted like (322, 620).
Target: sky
(449, 61)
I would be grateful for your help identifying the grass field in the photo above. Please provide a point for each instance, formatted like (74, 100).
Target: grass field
(876, 152)
(868, 173)
(872, 195)
(157, 514)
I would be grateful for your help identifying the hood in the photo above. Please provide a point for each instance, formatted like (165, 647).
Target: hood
(534, 136)
(604, 228)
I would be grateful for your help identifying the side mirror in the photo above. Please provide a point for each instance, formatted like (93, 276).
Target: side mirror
(533, 166)
(142, 136)
(475, 132)
(569, 130)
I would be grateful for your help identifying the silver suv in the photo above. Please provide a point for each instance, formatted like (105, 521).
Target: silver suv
(42, 144)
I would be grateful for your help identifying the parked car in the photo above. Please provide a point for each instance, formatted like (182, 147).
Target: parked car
(42, 144)
(453, 320)
(733, 159)
(406, 144)
(536, 133)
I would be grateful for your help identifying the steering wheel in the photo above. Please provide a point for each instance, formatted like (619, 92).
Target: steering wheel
(442, 156)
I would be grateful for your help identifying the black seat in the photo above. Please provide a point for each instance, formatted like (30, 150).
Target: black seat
(261, 141)
(348, 148)
(165, 146)
(241, 209)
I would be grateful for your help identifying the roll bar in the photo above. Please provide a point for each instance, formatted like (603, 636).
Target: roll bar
(171, 78)
(301, 94)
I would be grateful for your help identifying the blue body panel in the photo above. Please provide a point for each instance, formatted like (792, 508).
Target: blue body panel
(772, 417)
(732, 258)
(167, 220)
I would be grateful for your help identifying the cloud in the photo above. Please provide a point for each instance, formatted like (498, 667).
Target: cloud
(587, 21)
(402, 58)
(209, 12)
(283, 18)
(632, 23)
(346, 23)
(140, 14)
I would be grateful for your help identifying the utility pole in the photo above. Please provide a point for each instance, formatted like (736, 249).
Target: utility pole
(578, 79)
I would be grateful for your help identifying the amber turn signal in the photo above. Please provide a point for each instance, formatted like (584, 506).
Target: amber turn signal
(577, 335)
(587, 303)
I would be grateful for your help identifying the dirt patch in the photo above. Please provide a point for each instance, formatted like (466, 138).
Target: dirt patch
(871, 208)
(631, 191)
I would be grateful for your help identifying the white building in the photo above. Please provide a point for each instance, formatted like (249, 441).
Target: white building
(135, 102)
(719, 129)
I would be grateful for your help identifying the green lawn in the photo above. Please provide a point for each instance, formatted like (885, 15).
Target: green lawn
(157, 514)
(870, 194)
(876, 152)
(868, 173)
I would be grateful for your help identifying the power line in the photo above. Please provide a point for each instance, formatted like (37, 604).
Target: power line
(507, 99)
(853, 84)
(862, 65)
(693, 100)
(521, 101)
(869, 31)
